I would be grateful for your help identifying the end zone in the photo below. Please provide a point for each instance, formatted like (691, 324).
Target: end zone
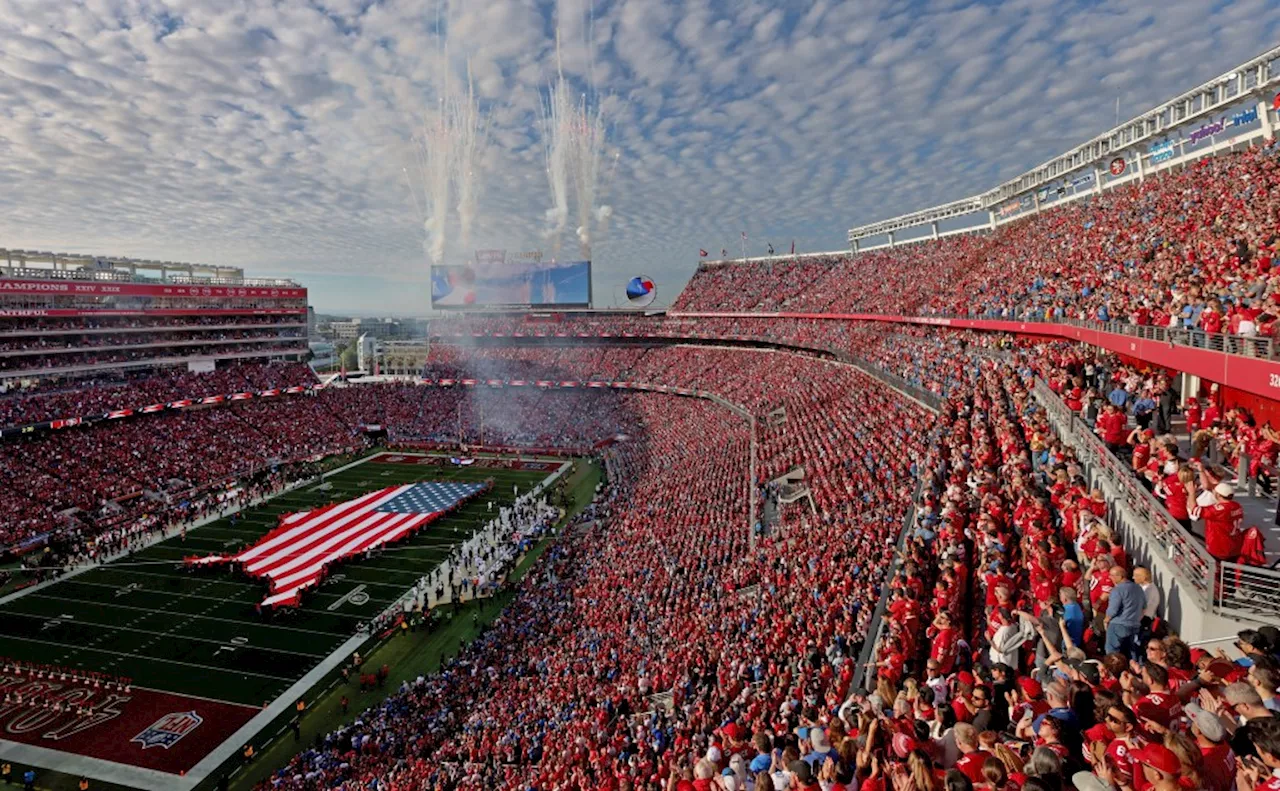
(141, 729)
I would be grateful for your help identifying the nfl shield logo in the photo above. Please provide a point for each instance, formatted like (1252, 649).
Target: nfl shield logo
(169, 729)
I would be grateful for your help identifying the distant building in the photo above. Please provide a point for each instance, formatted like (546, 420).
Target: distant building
(354, 328)
(323, 355)
(367, 348)
(405, 358)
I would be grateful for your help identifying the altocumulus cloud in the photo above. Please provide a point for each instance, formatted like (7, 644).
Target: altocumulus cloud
(273, 135)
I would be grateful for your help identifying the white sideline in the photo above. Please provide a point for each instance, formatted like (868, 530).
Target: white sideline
(155, 780)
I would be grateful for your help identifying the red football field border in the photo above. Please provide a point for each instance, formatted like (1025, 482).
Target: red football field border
(119, 724)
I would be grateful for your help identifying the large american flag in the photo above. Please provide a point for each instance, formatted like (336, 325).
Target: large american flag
(294, 556)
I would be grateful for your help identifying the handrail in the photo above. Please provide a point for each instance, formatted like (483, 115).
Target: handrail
(1252, 346)
(1243, 345)
(1233, 589)
(894, 381)
(869, 644)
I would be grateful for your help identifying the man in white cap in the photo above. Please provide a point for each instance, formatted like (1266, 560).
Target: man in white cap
(1223, 522)
(1218, 765)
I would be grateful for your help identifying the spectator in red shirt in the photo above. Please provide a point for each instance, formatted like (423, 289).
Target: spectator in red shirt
(1223, 532)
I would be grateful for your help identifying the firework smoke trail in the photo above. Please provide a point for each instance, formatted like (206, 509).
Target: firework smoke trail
(557, 132)
(574, 133)
(469, 133)
(435, 164)
(588, 150)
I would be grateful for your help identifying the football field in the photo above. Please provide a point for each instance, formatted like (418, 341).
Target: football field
(203, 659)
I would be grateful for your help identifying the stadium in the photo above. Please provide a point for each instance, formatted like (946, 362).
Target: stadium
(986, 500)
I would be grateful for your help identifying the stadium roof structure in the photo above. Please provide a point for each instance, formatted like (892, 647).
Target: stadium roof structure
(1256, 78)
(81, 266)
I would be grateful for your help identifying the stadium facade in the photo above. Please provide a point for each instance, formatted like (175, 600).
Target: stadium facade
(76, 316)
(1232, 111)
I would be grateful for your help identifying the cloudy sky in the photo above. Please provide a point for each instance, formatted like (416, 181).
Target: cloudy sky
(275, 135)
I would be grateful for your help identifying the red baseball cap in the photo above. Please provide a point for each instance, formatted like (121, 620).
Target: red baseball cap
(1030, 687)
(1158, 757)
(965, 677)
(903, 744)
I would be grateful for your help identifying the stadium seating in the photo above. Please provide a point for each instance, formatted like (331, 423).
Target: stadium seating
(672, 641)
(1190, 248)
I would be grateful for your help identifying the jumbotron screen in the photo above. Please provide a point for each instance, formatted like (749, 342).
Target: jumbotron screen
(512, 284)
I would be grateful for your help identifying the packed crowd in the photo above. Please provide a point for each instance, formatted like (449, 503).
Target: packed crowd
(131, 324)
(55, 399)
(673, 646)
(1021, 646)
(1132, 410)
(1191, 249)
(27, 346)
(703, 615)
(44, 364)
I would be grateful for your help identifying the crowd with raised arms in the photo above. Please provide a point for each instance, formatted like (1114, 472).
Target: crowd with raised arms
(1191, 249)
(1022, 647)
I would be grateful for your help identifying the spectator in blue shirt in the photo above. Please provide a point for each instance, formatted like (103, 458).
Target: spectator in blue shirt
(764, 753)
(1143, 408)
(1119, 396)
(1072, 615)
(1124, 613)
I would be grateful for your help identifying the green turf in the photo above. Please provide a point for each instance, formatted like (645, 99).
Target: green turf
(172, 629)
(408, 655)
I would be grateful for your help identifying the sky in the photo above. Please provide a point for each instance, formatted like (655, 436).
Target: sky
(279, 135)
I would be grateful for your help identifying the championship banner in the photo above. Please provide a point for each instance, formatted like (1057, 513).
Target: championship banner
(96, 289)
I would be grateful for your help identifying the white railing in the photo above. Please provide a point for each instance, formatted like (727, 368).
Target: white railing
(1232, 589)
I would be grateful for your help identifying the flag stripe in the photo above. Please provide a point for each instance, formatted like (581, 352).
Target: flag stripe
(283, 565)
(294, 556)
(287, 537)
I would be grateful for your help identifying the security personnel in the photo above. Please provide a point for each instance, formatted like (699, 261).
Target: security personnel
(84, 784)
(6, 772)
(248, 753)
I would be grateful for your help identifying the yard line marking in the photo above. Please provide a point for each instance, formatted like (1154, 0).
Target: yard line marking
(197, 697)
(133, 572)
(204, 617)
(356, 596)
(114, 628)
(157, 659)
(222, 600)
